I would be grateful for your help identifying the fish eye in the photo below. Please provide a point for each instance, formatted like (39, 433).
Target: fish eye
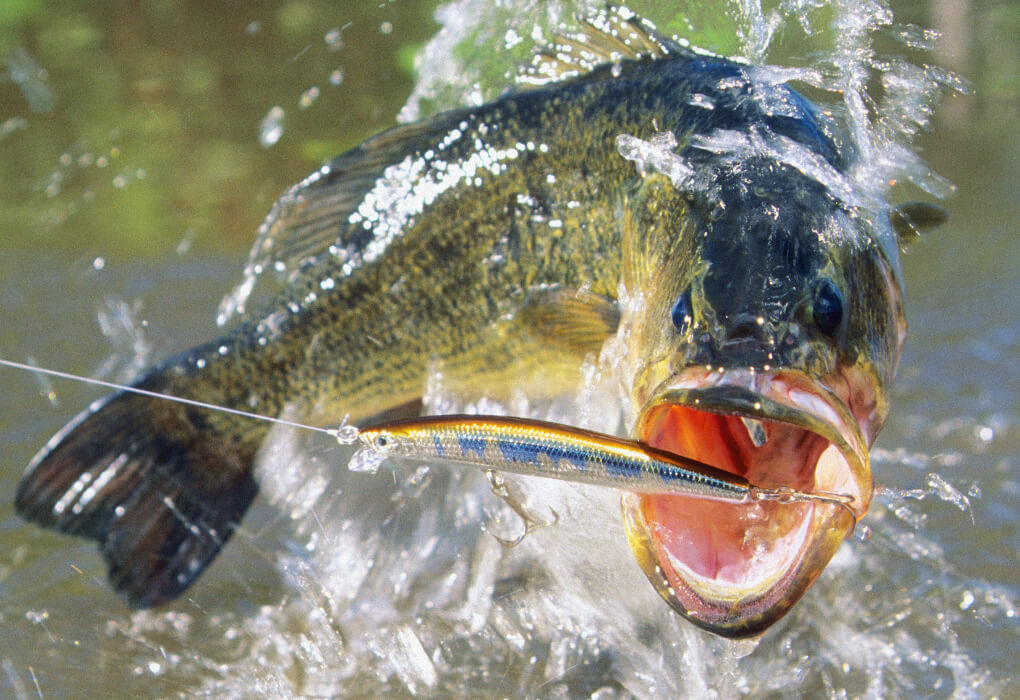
(682, 313)
(827, 307)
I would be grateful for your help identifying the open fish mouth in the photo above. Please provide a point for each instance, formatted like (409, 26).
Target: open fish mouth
(735, 569)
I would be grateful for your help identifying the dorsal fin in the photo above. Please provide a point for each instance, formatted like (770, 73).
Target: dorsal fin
(312, 218)
(607, 36)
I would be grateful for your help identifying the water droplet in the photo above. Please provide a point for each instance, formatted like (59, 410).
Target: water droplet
(967, 600)
(271, 128)
(308, 97)
(366, 461)
(334, 38)
(511, 39)
(37, 617)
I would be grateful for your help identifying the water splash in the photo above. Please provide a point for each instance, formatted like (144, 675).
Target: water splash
(31, 78)
(547, 617)
(657, 155)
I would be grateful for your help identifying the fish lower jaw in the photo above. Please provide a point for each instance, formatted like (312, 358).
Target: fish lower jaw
(732, 585)
(739, 599)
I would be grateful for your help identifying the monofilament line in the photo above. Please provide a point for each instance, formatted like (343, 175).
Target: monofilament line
(334, 433)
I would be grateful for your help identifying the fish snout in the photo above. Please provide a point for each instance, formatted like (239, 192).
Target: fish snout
(743, 340)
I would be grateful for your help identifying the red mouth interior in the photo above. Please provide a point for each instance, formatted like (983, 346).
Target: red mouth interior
(731, 543)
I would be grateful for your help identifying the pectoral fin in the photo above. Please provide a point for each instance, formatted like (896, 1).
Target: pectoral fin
(536, 351)
(578, 320)
(911, 219)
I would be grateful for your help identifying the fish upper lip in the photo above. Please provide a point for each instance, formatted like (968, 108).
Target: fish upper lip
(778, 396)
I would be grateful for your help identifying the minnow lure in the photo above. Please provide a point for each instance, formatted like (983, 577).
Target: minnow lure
(539, 448)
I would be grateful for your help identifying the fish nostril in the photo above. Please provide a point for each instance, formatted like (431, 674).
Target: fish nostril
(745, 328)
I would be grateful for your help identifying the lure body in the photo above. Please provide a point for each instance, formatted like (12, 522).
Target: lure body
(540, 448)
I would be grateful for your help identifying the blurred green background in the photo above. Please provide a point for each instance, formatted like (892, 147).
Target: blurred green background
(133, 126)
(129, 127)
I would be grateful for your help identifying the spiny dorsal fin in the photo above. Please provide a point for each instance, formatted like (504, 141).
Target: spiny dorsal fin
(911, 219)
(311, 219)
(608, 36)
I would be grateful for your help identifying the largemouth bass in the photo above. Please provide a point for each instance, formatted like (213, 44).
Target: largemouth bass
(680, 203)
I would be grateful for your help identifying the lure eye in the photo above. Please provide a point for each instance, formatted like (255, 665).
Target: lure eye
(827, 307)
(383, 441)
(682, 313)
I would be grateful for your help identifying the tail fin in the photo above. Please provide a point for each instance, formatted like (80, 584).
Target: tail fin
(151, 482)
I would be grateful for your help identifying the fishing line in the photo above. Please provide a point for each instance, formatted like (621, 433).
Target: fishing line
(343, 434)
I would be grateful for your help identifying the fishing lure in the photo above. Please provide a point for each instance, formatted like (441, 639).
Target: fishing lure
(539, 448)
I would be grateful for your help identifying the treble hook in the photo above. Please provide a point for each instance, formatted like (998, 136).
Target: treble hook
(531, 522)
(785, 494)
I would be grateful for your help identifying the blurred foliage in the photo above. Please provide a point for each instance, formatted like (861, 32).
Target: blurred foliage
(138, 122)
(996, 68)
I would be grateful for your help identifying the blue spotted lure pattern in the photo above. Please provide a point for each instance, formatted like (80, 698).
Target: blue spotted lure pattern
(540, 448)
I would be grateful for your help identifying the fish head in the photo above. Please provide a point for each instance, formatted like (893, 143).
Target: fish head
(765, 343)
